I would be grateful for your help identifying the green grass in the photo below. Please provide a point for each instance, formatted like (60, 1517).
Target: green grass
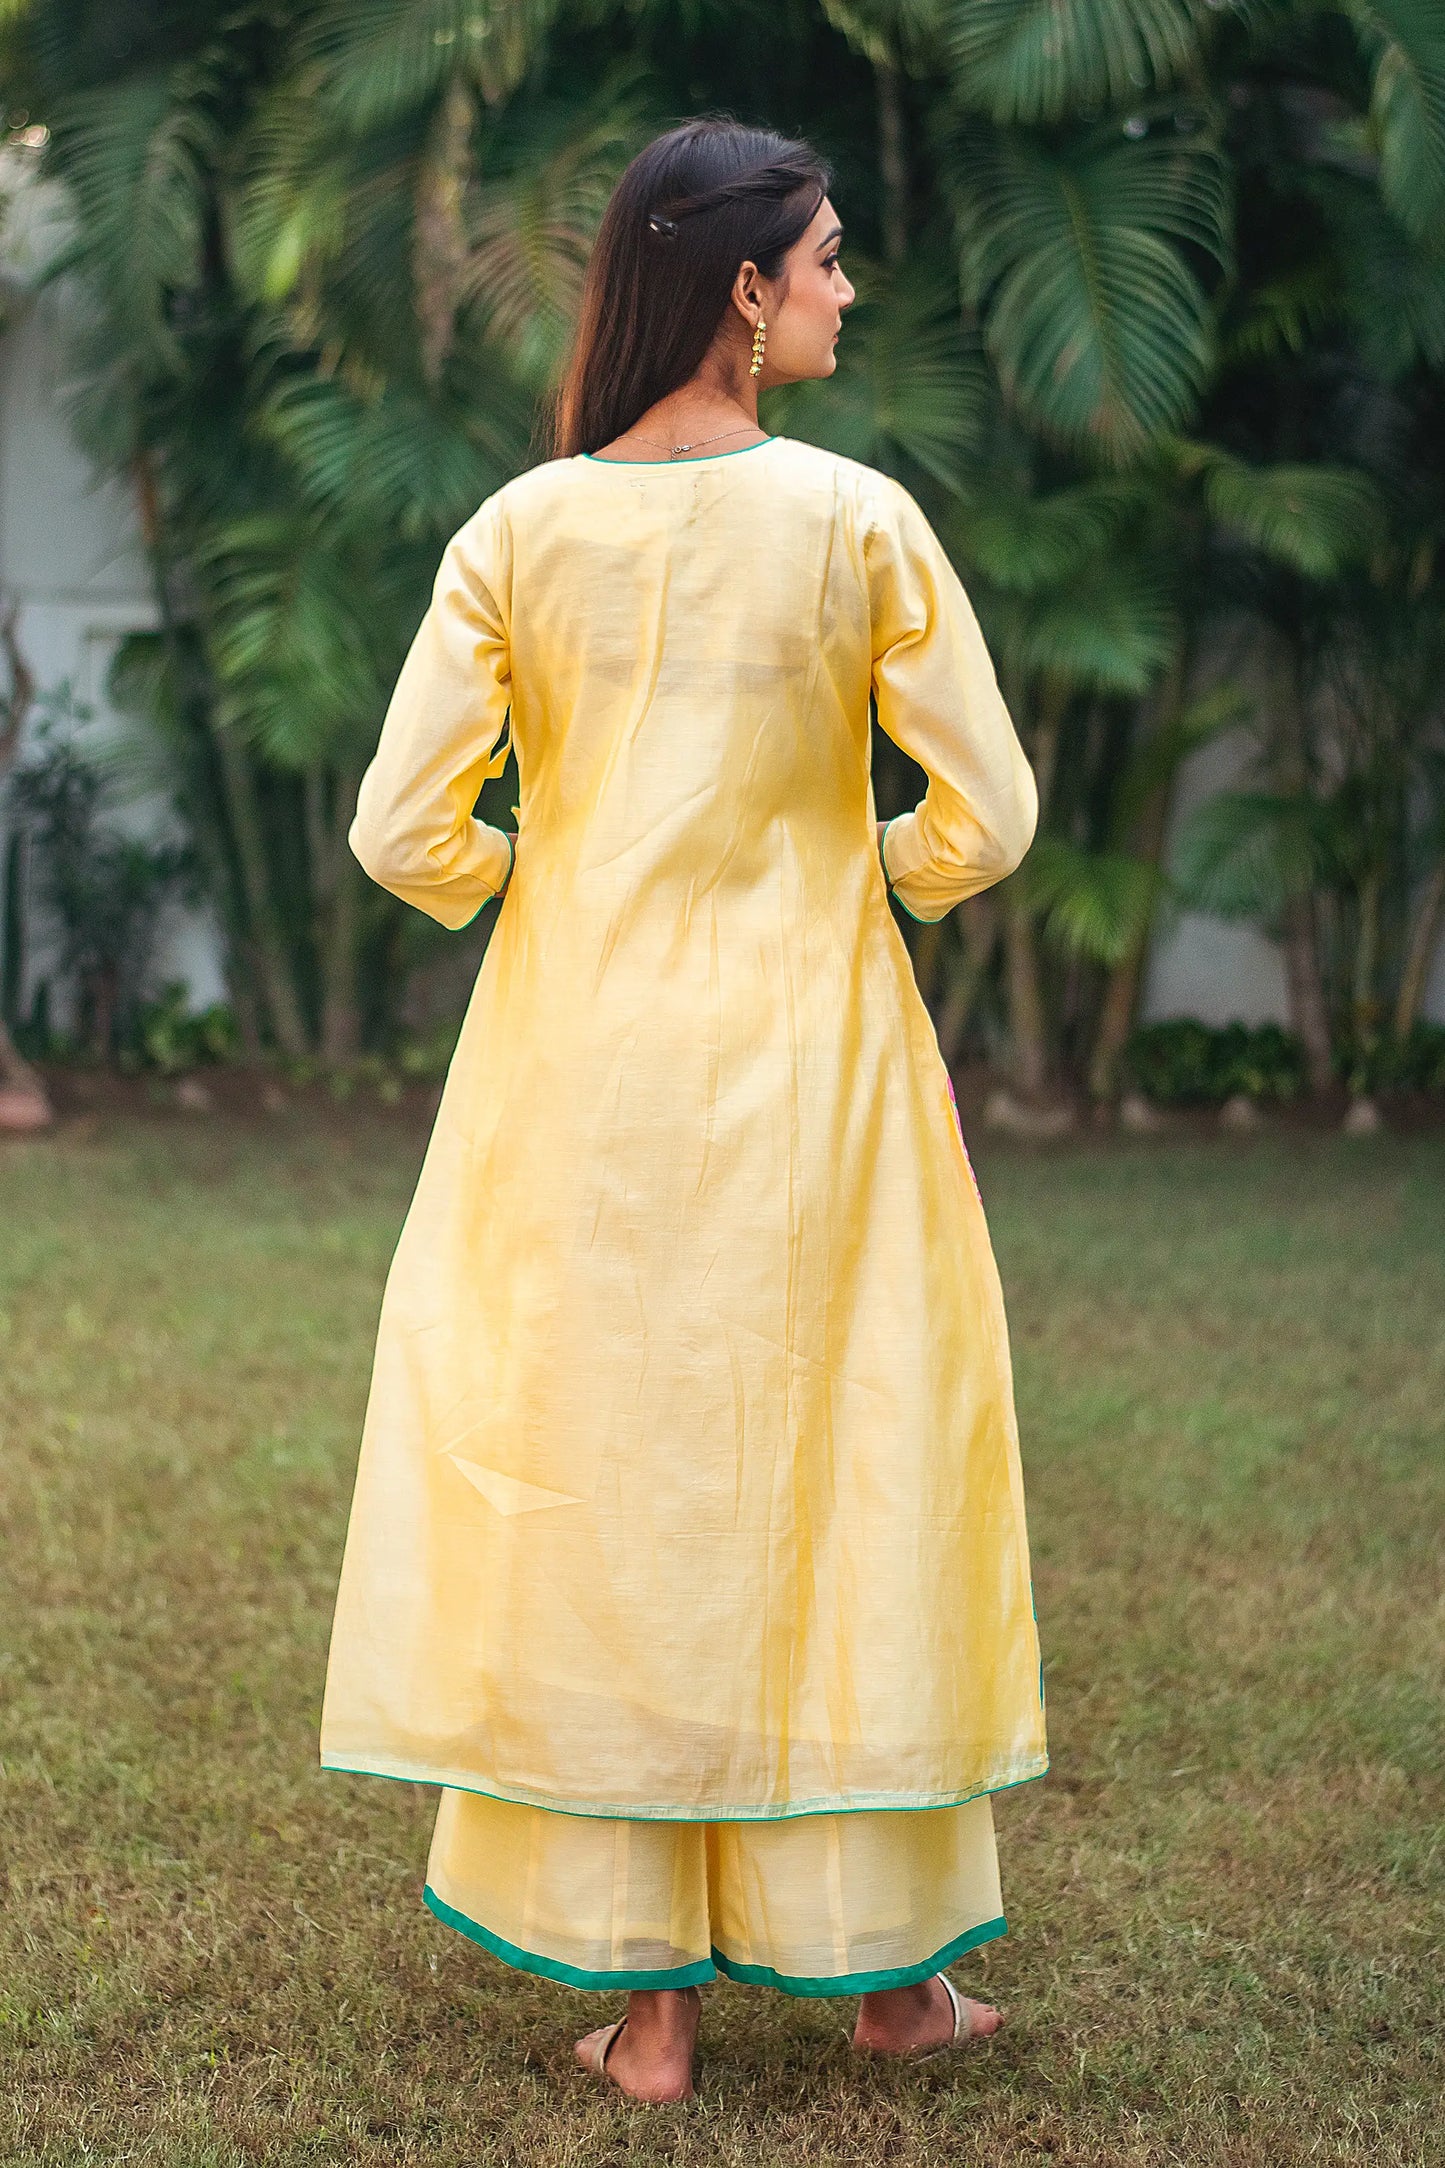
(1225, 1899)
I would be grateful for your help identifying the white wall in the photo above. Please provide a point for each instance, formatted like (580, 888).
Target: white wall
(1201, 966)
(70, 558)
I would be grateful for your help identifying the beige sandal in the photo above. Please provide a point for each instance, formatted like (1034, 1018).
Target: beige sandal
(964, 2029)
(963, 2025)
(594, 2049)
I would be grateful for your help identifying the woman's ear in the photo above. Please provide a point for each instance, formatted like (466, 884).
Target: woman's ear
(747, 292)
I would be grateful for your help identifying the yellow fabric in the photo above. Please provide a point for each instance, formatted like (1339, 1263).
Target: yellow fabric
(813, 1901)
(689, 1482)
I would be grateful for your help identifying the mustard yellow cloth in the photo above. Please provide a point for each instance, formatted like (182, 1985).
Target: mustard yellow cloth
(816, 1904)
(689, 1483)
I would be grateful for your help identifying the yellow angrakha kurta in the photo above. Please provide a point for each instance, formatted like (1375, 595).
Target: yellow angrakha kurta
(689, 1485)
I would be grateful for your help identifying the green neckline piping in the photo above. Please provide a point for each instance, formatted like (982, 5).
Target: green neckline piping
(876, 1803)
(704, 1969)
(699, 461)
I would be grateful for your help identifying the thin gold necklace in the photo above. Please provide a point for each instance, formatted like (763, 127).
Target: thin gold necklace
(672, 450)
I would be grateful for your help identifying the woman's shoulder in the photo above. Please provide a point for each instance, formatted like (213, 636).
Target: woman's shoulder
(834, 484)
(866, 495)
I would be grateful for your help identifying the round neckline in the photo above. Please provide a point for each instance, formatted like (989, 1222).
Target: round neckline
(699, 459)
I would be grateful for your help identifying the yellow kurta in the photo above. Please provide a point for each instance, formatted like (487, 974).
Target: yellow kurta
(689, 1483)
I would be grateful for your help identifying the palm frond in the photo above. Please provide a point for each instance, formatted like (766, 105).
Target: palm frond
(890, 32)
(1032, 60)
(1093, 313)
(399, 461)
(1386, 281)
(1024, 544)
(1108, 628)
(137, 156)
(380, 60)
(1094, 904)
(287, 209)
(1243, 853)
(1314, 519)
(290, 637)
(911, 387)
(535, 209)
(1405, 43)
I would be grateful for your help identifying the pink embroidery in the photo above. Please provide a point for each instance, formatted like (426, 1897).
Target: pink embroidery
(958, 1119)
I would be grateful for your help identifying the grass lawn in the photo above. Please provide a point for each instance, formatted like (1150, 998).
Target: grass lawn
(1227, 1934)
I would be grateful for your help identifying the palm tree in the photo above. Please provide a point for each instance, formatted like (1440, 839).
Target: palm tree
(1116, 260)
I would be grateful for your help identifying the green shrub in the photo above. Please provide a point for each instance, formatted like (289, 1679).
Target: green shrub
(1185, 1063)
(168, 1036)
(1413, 1064)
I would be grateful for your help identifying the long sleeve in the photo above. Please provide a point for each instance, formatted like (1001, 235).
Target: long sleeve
(938, 698)
(414, 829)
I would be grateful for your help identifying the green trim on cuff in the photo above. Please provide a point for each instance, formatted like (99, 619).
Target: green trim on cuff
(493, 894)
(692, 1975)
(888, 880)
(860, 1983)
(916, 916)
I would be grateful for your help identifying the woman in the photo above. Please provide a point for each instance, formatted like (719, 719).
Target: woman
(688, 1550)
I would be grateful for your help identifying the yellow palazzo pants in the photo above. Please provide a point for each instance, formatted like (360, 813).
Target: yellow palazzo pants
(814, 1904)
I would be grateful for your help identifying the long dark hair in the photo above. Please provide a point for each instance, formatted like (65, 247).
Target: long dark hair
(685, 213)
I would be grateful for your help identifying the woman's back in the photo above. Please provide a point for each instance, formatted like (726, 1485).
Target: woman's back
(687, 650)
(694, 1316)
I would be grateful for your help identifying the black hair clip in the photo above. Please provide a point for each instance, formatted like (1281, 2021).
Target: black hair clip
(659, 224)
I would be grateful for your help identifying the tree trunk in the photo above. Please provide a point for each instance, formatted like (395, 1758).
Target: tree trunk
(19, 1076)
(1308, 1013)
(927, 956)
(1420, 954)
(1121, 990)
(892, 161)
(23, 1087)
(978, 938)
(263, 950)
(1116, 1022)
(338, 898)
(1023, 977)
(274, 970)
(439, 259)
(1027, 1023)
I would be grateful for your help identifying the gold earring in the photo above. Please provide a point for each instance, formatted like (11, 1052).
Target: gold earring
(759, 336)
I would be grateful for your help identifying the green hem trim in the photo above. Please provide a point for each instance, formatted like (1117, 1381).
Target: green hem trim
(703, 1969)
(697, 462)
(550, 1969)
(869, 1803)
(860, 1983)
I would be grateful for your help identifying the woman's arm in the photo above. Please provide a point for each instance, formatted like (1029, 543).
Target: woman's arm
(415, 830)
(938, 699)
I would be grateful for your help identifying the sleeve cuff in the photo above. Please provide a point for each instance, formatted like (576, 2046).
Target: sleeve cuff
(905, 855)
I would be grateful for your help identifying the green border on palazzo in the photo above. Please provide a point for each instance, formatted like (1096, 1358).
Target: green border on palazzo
(861, 1983)
(569, 1975)
(707, 1968)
